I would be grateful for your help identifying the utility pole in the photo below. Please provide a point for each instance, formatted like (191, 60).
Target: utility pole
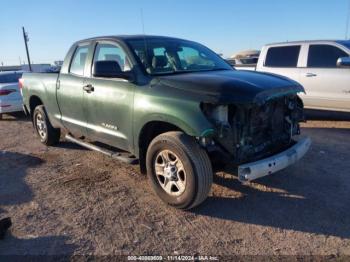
(26, 39)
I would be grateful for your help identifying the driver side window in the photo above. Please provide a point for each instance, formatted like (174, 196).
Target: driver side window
(110, 52)
(324, 56)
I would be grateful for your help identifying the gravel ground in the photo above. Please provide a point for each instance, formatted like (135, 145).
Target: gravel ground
(66, 200)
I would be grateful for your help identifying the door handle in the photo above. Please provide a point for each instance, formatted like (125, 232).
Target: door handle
(88, 88)
(310, 75)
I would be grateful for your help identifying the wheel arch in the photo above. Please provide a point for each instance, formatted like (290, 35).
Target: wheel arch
(148, 132)
(34, 101)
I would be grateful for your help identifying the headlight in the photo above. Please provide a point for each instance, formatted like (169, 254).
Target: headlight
(216, 113)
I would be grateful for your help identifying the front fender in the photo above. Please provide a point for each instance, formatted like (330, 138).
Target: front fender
(184, 114)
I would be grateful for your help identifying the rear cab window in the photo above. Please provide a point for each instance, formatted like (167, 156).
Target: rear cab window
(324, 56)
(283, 56)
(77, 65)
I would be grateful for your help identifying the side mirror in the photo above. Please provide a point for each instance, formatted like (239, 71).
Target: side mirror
(110, 69)
(344, 62)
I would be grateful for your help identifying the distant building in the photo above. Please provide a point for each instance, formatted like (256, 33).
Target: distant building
(38, 68)
(58, 63)
(244, 58)
(35, 67)
(11, 68)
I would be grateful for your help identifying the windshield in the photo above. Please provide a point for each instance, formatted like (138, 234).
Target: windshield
(9, 77)
(345, 43)
(171, 56)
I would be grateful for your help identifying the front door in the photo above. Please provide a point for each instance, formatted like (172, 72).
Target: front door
(326, 85)
(109, 105)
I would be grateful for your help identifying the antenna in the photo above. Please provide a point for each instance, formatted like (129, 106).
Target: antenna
(142, 22)
(144, 39)
(347, 22)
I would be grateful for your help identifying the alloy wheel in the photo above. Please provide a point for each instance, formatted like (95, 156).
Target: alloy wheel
(170, 172)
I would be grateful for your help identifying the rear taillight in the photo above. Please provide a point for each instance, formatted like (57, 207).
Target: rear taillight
(5, 92)
(20, 83)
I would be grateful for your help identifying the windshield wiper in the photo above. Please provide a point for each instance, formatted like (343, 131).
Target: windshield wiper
(218, 69)
(190, 71)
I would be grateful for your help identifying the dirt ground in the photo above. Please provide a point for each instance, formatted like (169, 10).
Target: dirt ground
(66, 200)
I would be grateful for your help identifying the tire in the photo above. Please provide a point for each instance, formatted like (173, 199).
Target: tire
(46, 132)
(0, 116)
(179, 170)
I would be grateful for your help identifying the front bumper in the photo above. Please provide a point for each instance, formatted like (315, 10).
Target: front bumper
(270, 165)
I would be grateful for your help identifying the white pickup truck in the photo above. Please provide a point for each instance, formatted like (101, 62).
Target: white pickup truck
(322, 67)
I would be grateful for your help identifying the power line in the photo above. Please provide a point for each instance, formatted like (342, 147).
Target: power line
(347, 23)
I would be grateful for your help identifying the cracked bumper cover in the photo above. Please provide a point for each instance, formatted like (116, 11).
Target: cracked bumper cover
(270, 165)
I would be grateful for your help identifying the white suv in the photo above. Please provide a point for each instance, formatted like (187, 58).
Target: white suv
(322, 67)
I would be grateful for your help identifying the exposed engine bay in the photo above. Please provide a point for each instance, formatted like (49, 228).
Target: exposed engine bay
(251, 132)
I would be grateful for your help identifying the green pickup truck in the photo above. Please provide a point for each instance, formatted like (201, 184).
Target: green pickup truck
(171, 105)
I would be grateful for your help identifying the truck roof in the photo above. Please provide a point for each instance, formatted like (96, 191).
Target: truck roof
(128, 37)
(310, 41)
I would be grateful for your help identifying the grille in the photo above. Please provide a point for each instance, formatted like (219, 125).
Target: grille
(267, 122)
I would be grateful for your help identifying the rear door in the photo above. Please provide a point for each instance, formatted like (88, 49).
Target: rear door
(70, 94)
(327, 86)
(109, 106)
(283, 60)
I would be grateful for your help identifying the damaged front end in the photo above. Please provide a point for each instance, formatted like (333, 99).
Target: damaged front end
(253, 131)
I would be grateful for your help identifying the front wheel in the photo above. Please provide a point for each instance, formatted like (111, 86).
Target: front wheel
(47, 133)
(179, 170)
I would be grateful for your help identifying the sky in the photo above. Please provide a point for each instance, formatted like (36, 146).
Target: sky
(225, 26)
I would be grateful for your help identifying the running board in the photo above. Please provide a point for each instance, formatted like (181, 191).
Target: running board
(114, 155)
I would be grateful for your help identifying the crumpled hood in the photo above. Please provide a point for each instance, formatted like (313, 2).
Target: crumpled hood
(233, 86)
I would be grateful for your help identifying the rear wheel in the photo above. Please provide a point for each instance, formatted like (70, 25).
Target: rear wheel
(179, 170)
(47, 133)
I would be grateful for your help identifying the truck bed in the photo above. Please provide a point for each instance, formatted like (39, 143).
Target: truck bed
(43, 86)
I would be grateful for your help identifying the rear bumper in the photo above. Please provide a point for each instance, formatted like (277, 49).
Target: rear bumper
(268, 166)
(11, 106)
